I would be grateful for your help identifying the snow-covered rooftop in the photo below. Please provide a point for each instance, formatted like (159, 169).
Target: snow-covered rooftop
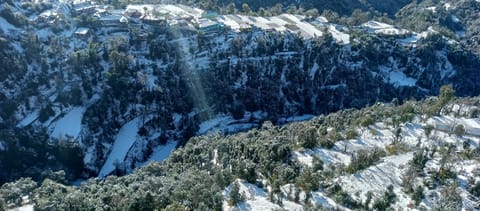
(383, 28)
(82, 31)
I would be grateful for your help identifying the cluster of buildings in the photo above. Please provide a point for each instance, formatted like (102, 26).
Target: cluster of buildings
(133, 16)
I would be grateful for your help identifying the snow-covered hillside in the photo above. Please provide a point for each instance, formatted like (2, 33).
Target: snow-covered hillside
(389, 170)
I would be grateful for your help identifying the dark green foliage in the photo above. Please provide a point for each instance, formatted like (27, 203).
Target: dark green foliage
(428, 130)
(308, 181)
(475, 189)
(450, 199)
(15, 19)
(342, 197)
(8, 107)
(28, 155)
(363, 159)
(309, 138)
(46, 113)
(388, 199)
(459, 130)
(235, 197)
(366, 205)
(317, 164)
(366, 121)
(444, 174)
(420, 157)
(418, 195)
(328, 143)
(14, 191)
(351, 134)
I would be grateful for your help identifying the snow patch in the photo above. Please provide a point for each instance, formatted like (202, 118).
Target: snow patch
(69, 125)
(161, 152)
(383, 28)
(27, 207)
(255, 199)
(124, 140)
(377, 178)
(28, 119)
(6, 26)
(342, 38)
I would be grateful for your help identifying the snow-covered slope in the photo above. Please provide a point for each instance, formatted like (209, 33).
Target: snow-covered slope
(124, 140)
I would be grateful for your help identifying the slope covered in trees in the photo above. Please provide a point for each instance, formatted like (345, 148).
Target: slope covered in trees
(272, 158)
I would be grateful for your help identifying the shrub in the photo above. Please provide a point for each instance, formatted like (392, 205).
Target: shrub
(397, 148)
(428, 130)
(418, 195)
(352, 134)
(308, 139)
(46, 113)
(459, 130)
(235, 197)
(366, 121)
(326, 143)
(363, 159)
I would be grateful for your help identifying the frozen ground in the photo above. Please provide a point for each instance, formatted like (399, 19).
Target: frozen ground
(255, 199)
(28, 119)
(69, 125)
(161, 152)
(124, 140)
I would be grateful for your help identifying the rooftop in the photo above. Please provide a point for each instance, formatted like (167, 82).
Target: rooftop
(82, 31)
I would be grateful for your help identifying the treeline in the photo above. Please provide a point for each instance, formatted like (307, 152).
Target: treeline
(194, 176)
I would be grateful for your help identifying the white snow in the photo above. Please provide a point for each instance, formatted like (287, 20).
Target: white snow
(211, 124)
(28, 119)
(299, 118)
(377, 178)
(256, 199)
(161, 152)
(340, 37)
(383, 28)
(327, 156)
(433, 9)
(227, 124)
(447, 6)
(69, 125)
(6, 26)
(281, 23)
(400, 79)
(27, 207)
(124, 140)
(313, 71)
(319, 198)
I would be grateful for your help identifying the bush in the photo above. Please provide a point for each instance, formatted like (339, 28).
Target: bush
(364, 159)
(428, 130)
(459, 130)
(366, 121)
(13, 192)
(389, 198)
(445, 174)
(397, 148)
(418, 195)
(46, 113)
(352, 134)
(326, 143)
(308, 139)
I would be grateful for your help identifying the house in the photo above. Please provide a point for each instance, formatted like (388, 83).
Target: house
(210, 14)
(84, 7)
(133, 13)
(209, 26)
(48, 17)
(113, 20)
(82, 33)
